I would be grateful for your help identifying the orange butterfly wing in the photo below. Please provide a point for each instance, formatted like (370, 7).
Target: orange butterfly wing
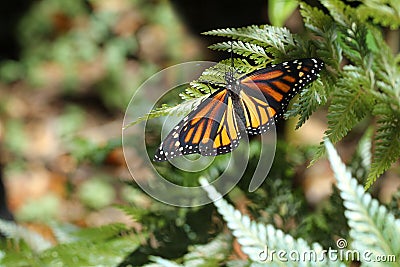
(215, 126)
(210, 129)
(266, 93)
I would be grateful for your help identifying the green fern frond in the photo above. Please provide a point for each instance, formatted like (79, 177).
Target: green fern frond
(387, 141)
(165, 110)
(105, 252)
(311, 98)
(339, 11)
(14, 231)
(350, 103)
(215, 74)
(255, 237)
(242, 65)
(326, 35)
(353, 38)
(109, 245)
(100, 233)
(197, 90)
(386, 109)
(277, 41)
(360, 89)
(353, 34)
(260, 35)
(383, 12)
(372, 227)
(252, 51)
(385, 68)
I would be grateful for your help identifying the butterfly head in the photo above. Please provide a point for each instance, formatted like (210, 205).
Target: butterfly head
(229, 77)
(232, 83)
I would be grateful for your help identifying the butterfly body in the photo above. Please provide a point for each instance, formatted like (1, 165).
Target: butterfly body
(248, 105)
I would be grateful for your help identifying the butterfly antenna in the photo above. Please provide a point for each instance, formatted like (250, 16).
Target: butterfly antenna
(232, 65)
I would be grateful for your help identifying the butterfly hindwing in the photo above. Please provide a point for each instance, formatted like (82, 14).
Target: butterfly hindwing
(266, 93)
(210, 129)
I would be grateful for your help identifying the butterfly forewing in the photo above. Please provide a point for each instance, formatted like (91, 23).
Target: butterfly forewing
(266, 93)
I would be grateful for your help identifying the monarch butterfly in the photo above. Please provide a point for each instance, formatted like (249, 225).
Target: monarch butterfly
(248, 105)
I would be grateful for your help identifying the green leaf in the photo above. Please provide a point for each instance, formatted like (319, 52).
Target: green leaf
(279, 11)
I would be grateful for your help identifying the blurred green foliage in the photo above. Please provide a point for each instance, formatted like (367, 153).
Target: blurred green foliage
(15, 136)
(43, 209)
(96, 193)
(66, 36)
(279, 11)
